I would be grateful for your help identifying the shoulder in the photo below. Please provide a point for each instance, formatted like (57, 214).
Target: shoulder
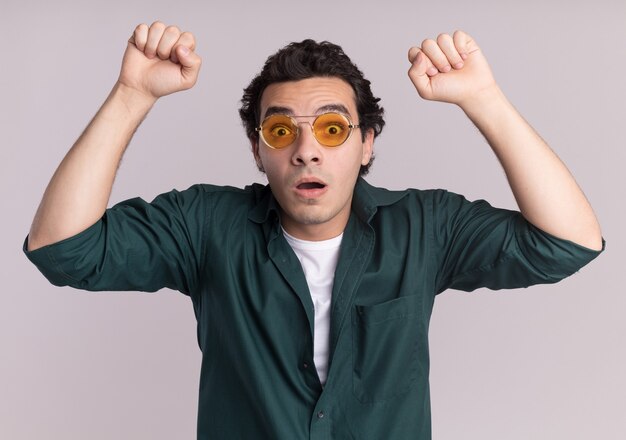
(209, 190)
(384, 197)
(217, 194)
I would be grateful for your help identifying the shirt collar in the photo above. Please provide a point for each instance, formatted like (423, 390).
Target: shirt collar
(266, 205)
(367, 199)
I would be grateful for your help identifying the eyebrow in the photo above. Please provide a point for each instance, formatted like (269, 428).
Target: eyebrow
(339, 108)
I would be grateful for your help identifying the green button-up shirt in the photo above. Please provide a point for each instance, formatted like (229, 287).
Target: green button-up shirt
(224, 248)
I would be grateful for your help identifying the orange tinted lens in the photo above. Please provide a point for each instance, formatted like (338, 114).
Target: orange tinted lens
(279, 131)
(331, 129)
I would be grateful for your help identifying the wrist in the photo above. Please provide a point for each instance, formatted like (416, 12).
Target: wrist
(485, 101)
(134, 100)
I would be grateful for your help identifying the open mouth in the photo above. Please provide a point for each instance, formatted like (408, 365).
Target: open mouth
(311, 185)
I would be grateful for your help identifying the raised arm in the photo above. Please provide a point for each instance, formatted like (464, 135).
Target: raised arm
(453, 69)
(159, 60)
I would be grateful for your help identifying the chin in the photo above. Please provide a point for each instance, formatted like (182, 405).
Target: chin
(311, 218)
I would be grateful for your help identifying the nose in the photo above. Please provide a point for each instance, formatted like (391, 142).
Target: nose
(307, 150)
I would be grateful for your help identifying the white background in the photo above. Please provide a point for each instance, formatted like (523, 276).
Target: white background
(547, 362)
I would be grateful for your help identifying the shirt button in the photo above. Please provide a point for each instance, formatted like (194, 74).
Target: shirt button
(320, 415)
(305, 365)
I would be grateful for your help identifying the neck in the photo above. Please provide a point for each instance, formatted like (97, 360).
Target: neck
(316, 231)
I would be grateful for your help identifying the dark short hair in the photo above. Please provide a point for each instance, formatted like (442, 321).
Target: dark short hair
(308, 59)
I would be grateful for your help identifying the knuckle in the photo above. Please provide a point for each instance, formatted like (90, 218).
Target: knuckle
(172, 30)
(443, 38)
(459, 36)
(427, 43)
(158, 25)
(188, 36)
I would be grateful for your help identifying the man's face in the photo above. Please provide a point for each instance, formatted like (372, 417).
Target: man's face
(313, 184)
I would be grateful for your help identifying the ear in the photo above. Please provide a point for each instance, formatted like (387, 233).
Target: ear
(368, 147)
(254, 143)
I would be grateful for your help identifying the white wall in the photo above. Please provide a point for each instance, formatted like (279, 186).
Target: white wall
(542, 363)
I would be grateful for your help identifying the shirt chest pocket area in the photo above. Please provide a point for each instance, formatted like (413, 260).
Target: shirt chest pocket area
(389, 348)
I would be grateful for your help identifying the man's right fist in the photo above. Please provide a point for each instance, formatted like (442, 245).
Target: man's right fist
(160, 60)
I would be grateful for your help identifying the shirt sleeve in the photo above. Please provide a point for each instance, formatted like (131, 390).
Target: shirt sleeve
(136, 245)
(482, 246)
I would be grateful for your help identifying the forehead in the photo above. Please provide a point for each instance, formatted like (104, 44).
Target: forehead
(308, 96)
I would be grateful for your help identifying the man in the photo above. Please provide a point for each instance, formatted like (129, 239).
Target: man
(313, 294)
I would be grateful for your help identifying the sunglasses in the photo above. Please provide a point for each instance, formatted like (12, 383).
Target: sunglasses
(330, 129)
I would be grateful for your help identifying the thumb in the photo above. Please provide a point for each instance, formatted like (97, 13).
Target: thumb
(417, 73)
(190, 62)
